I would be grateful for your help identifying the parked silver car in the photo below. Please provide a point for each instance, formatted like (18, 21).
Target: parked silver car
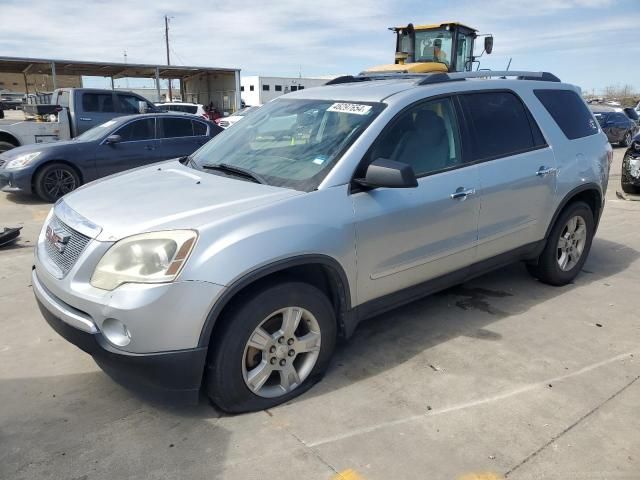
(237, 268)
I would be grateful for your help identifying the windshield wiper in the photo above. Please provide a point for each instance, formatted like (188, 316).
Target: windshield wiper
(243, 172)
(187, 160)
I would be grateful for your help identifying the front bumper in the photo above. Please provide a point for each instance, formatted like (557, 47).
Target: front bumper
(631, 170)
(15, 180)
(173, 375)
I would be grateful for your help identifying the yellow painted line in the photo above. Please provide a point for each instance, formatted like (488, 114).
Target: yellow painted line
(481, 476)
(348, 474)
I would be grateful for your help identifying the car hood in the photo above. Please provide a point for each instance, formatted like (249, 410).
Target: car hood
(46, 149)
(167, 196)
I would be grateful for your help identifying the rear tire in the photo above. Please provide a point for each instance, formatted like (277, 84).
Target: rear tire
(5, 146)
(567, 246)
(55, 180)
(255, 361)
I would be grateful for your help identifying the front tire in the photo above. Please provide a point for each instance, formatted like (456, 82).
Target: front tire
(626, 140)
(567, 246)
(275, 343)
(6, 146)
(55, 180)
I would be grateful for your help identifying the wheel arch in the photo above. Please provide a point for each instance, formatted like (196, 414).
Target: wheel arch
(49, 162)
(8, 137)
(590, 193)
(321, 271)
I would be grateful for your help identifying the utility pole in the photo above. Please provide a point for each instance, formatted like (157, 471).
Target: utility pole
(125, 62)
(166, 37)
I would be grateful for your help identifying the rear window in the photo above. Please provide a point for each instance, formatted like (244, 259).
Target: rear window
(181, 108)
(501, 125)
(98, 102)
(569, 112)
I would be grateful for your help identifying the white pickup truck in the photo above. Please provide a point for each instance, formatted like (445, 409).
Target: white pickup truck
(79, 110)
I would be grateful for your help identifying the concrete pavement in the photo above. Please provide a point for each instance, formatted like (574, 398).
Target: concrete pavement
(501, 377)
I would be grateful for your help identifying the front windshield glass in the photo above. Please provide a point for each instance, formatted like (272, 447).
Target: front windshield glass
(433, 46)
(98, 132)
(290, 143)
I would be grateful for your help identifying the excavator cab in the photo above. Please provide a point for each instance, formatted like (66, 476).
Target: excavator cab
(446, 47)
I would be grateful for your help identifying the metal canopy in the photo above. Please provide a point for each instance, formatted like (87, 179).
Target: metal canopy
(102, 69)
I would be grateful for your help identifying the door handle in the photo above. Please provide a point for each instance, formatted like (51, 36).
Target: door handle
(86, 119)
(462, 194)
(542, 171)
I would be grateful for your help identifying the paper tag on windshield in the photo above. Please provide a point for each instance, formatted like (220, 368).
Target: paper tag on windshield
(354, 108)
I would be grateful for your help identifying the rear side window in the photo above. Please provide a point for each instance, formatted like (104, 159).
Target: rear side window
(500, 125)
(176, 127)
(199, 128)
(129, 103)
(98, 102)
(569, 112)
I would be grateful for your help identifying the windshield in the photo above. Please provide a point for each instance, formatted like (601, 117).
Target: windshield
(433, 46)
(98, 132)
(290, 143)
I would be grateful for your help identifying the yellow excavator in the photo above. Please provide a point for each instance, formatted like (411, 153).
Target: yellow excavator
(444, 47)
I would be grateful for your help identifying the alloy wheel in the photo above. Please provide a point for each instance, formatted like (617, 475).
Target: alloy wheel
(571, 243)
(59, 182)
(627, 139)
(281, 352)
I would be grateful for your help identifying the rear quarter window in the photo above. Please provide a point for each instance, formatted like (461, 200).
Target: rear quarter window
(569, 112)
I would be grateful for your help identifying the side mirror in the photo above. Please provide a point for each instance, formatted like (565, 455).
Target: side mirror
(142, 106)
(111, 139)
(383, 172)
(488, 44)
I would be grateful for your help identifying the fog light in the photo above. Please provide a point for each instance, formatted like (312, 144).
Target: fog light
(116, 332)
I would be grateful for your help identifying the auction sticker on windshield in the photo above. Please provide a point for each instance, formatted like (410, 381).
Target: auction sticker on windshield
(355, 108)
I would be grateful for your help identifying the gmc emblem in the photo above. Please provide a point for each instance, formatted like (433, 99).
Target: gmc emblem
(57, 238)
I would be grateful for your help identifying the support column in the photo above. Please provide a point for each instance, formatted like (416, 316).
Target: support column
(158, 83)
(53, 75)
(112, 87)
(238, 96)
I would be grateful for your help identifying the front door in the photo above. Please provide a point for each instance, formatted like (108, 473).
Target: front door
(408, 236)
(517, 171)
(138, 146)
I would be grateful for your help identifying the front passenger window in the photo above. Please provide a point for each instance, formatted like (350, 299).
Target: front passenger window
(425, 137)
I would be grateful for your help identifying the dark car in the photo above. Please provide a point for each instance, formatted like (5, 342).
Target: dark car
(51, 170)
(619, 128)
(630, 177)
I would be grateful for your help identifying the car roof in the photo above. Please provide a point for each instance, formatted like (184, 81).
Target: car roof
(191, 116)
(379, 89)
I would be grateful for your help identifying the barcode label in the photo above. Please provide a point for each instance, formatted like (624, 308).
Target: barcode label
(354, 108)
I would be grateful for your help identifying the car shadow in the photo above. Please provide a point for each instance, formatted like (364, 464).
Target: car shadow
(391, 339)
(84, 426)
(25, 199)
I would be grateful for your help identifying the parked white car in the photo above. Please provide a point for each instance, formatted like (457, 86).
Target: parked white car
(193, 108)
(226, 122)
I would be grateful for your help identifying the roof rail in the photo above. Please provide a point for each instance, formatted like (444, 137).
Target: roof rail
(520, 75)
(346, 79)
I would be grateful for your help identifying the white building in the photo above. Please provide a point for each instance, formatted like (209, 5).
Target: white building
(257, 90)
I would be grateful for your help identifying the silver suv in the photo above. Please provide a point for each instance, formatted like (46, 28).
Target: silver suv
(235, 269)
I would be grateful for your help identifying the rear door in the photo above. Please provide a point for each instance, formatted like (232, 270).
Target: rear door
(93, 108)
(178, 137)
(138, 146)
(516, 167)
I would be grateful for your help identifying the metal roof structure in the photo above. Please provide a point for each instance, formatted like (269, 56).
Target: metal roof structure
(102, 69)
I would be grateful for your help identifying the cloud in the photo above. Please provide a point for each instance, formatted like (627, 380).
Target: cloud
(320, 38)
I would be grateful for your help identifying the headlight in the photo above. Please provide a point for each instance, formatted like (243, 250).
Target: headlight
(155, 257)
(22, 160)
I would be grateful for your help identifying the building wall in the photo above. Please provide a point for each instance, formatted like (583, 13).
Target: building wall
(219, 89)
(266, 89)
(14, 82)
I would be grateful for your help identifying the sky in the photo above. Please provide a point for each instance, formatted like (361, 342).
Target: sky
(591, 43)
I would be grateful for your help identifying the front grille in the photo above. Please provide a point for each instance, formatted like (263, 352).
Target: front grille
(224, 124)
(72, 249)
